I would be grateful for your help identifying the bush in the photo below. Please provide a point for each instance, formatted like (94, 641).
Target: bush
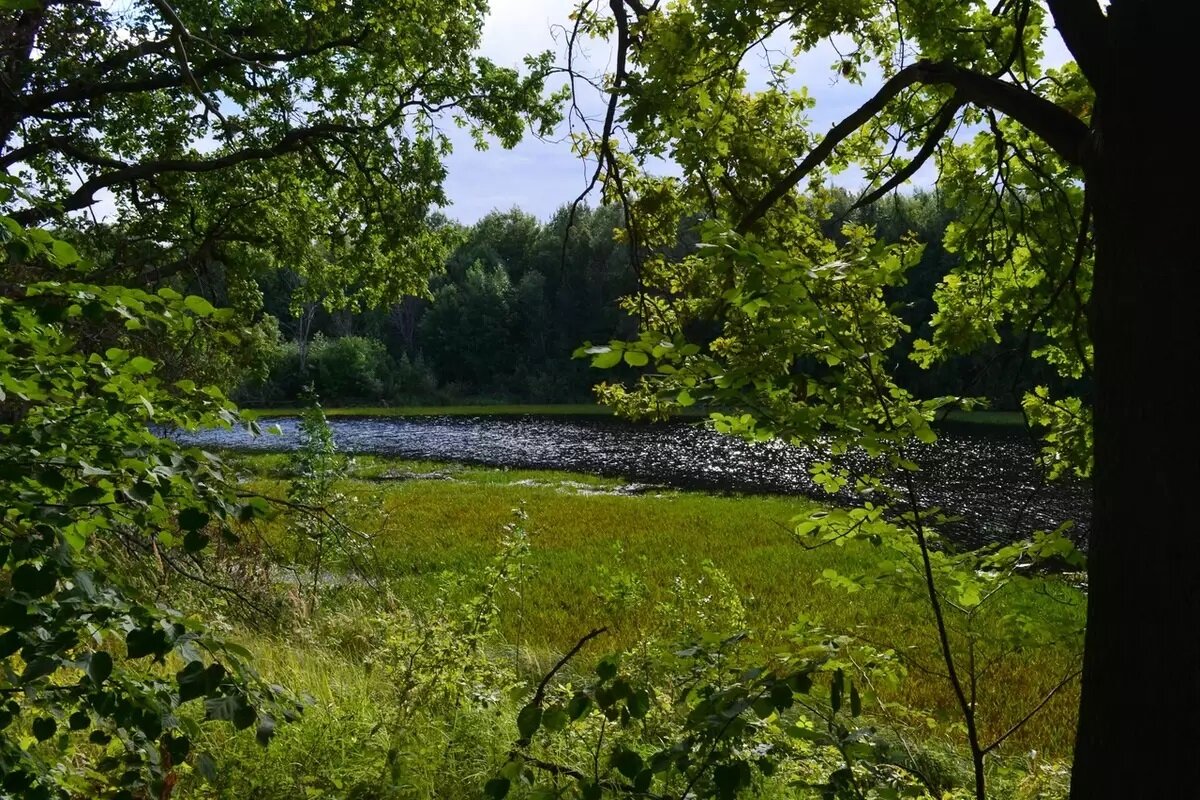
(414, 380)
(349, 369)
(352, 367)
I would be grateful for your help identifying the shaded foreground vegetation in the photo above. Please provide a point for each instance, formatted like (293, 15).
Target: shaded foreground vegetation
(658, 571)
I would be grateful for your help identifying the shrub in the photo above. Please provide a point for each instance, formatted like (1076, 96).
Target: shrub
(351, 367)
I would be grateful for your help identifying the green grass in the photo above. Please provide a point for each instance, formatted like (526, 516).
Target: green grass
(990, 418)
(1001, 419)
(425, 529)
(1005, 419)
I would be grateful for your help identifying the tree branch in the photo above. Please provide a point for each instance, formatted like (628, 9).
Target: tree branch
(940, 127)
(1033, 711)
(1065, 133)
(87, 90)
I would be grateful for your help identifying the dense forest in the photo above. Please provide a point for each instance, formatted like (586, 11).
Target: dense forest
(517, 296)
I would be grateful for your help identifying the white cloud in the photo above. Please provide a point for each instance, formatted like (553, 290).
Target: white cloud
(516, 28)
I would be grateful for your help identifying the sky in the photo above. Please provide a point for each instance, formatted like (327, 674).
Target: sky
(540, 176)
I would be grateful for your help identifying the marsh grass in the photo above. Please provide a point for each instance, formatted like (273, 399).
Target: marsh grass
(600, 559)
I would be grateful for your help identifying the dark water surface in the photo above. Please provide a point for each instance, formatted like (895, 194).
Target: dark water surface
(986, 475)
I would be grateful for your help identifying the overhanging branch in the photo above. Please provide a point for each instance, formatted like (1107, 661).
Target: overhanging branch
(1062, 131)
(941, 126)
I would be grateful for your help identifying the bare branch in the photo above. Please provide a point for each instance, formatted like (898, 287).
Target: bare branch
(940, 127)
(1033, 711)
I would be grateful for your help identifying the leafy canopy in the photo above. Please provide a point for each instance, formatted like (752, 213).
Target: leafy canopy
(240, 135)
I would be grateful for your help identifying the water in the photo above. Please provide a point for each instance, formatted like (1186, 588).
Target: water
(987, 476)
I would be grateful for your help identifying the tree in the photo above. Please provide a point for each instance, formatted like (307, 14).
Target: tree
(234, 137)
(84, 481)
(1051, 168)
(468, 327)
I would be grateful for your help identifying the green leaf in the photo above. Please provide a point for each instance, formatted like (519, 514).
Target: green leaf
(606, 668)
(638, 704)
(192, 519)
(177, 746)
(206, 765)
(33, 581)
(763, 707)
(43, 728)
(86, 495)
(192, 680)
(607, 359)
(636, 358)
(141, 642)
(243, 716)
(64, 254)
(529, 720)
(555, 719)
(265, 730)
(497, 788)
(781, 696)
(643, 781)
(195, 541)
(730, 778)
(140, 365)
(198, 305)
(100, 666)
(627, 762)
(578, 706)
(39, 667)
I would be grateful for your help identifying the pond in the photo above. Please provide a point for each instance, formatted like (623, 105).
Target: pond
(986, 475)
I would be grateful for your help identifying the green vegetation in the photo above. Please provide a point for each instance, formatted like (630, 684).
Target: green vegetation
(509, 302)
(199, 199)
(586, 543)
(656, 569)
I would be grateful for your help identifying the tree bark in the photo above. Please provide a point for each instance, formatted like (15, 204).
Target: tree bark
(1139, 723)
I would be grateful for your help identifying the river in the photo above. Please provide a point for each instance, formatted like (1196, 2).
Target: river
(986, 475)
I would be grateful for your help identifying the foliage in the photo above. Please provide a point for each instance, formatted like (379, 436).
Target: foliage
(705, 725)
(408, 695)
(350, 369)
(235, 139)
(319, 533)
(95, 677)
(784, 320)
(509, 310)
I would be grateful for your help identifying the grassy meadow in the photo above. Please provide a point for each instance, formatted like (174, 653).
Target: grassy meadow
(601, 558)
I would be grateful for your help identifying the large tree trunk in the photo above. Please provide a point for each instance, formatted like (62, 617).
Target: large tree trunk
(1139, 726)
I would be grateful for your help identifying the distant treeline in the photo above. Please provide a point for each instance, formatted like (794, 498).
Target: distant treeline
(513, 303)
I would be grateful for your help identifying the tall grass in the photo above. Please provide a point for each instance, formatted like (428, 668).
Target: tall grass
(601, 559)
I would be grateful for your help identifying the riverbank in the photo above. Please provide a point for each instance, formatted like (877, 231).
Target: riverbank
(483, 410)
(603, 552)
(1007, 419)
